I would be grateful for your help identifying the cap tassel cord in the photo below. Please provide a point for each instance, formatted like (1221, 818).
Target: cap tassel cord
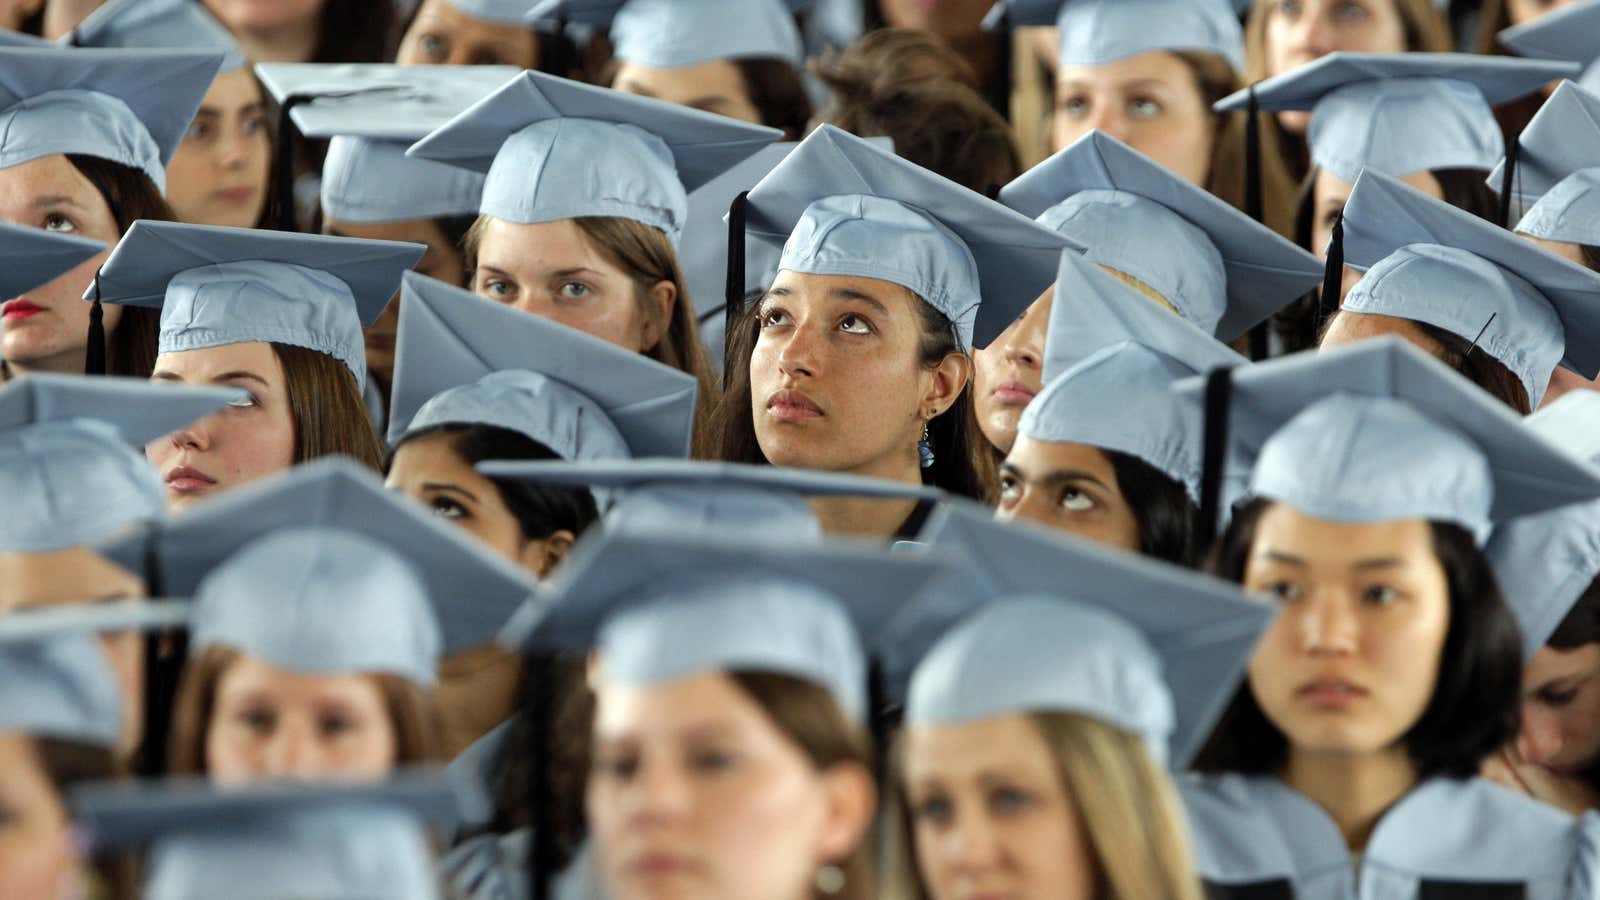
(733, 290)
(1218, 403)
(94, 351)
(1332, 276)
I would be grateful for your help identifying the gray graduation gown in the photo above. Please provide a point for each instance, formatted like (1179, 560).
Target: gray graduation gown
(1255, 838)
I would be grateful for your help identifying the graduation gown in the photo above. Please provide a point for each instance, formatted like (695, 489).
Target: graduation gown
(494, 867)
(1256, 838)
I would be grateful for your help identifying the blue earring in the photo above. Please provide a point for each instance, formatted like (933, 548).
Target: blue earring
(925, 448)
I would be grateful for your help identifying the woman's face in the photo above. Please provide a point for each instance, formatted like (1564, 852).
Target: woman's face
(218, 176)
(249, 439)
(1069, 487)
(717, 86)
(694, 792)
(1351, 661)
(431, 471)
(1152, 102)
(79, 575)
(272, 723)
(1523, 11)
(950, 19)
(46, 329)
(1561, 710)
(1010, 372)
(443, 35)
(552, 270)
(265, 15)
(37, 855)
(990, 815)
(1303, 31)
(444, 261)
(835, 381)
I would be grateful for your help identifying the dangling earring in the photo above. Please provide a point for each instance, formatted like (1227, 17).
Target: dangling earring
(830, 880)
(925, 448)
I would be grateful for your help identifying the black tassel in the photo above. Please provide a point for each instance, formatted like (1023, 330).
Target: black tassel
(163, 664)
(1332, 277)
(283, 207)
(880, 718)
(539, 700)
(1507, 180)
(94, 349)
(733, 291)
(1218, 403)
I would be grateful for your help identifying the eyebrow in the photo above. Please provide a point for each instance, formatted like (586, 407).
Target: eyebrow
(579, 270)
(633, 87)
(1360, 565)
(1055, 476)
(710, 100)
(240, 375)
(849, 294)
(444, 488)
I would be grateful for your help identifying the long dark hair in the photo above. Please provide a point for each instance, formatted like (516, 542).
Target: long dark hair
(356, 31)
(1476, 703)
(962, 462)
(778, 92)
(1167, 516)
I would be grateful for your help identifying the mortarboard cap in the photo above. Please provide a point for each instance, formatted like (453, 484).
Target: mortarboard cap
(500, 12)
(1566, 34)
(462, 359)
(217, 286)
(841, 206)
(668, 34)
(152, 24)
(1428, 261)
(131, 107)
(555, 149)
(60, 687)
(1218, 268)
(1096, 32)
(1558, 168)
(33, 257)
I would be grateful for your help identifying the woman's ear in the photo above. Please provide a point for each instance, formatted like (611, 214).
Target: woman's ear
(541, 557)
(949, 379)
(663, 302)
(852, 798)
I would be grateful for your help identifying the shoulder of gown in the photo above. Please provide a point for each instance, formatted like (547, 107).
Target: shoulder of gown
(494, 867)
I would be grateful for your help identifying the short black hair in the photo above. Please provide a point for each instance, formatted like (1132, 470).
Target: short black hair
(1166, 515)
(540, 509)
(1476, 702)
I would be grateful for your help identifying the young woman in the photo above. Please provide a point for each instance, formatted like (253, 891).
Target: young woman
(332, 31)
(856, 360)
(740, 60)
(1549, 568)
(89, 160)
(281, 682)
(1392, 670)
(1491, 305)
(1048, 780)
(1106, 451)
(738, 765)
(278, 315)
(562, 244)
(218, 174)
(473, 33)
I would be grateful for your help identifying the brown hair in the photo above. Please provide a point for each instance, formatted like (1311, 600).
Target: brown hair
(810, 716)
(1130, 813)
(330, 417)
(68, 763)
(778, 92)
(963, 465)
(905, 85)
(131, 196)
(1477, 365)
(647, 255)
(413, 711)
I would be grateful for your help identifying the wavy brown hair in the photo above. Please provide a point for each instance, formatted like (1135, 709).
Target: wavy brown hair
(330, 418)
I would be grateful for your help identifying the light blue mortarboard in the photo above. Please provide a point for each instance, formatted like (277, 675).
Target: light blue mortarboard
(217, 286)
(270, 841)
(1218, 268)
(152, 24)
(500, 12)
(323, 569)
(128, 106)
(462, 359)
(1109, 364)
(1545, 562)
(1401, 113)
(556, 149)
(32, 257)
(373, 112)
(667, 34)
(1096, 32)
(1379, 431)
(840, 205)
(1570, 34)
(1428, 261)
(70, 472)
(659, 608)
(1049, 623)
(684, 497)
(10, 38)
(60, 687)
(1558, 168)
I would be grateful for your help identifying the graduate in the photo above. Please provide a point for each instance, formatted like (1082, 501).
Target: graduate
(476, 33)
(857, 358)
(1347, 768)
(1489, 304)
(279, 315)
(736, 764)
(584, 205)
(1047, 695)
(1106, 451)
(219, 173)
(89, 134)
(323, 605)
(744, 60)
(1549, 567)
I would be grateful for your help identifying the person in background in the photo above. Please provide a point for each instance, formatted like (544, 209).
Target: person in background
(959, 24)
(351, 31)
(473, 33)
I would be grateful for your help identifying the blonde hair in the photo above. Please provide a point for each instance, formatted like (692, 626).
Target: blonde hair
(1141, 287)
(1127, 804)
